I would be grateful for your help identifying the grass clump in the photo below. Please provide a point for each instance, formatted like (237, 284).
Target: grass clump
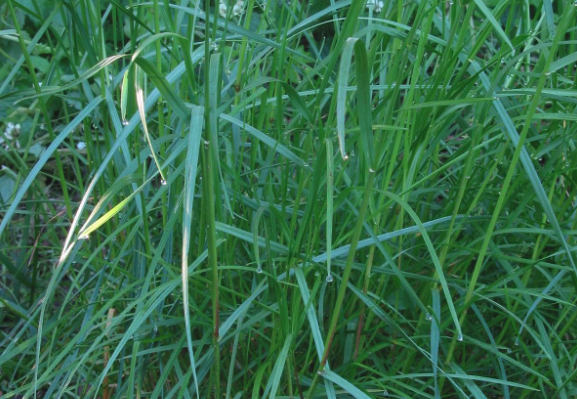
(287, 199)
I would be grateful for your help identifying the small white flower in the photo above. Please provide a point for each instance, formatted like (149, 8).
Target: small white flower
(81, 145)
(8, 133)
(222, 8)
(237, 9)
(214, 46)
(378, 5)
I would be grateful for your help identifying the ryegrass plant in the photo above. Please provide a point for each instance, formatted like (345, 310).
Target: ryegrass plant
(288, 199)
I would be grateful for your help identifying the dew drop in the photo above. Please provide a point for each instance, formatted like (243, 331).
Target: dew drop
(84, 237)
(163, 182)
(317, 273)
(155, 328)
(386, 393)
(517, 342)
(259, 270)
(509, 350)
(429, 317)
(330, 278)
(125, 123)
(371, 170)
(345, 157)
(460, 338)
(42, 126)
(113, 239)
(467, 177)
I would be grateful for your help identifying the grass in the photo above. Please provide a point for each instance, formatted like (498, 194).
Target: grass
(288, 199)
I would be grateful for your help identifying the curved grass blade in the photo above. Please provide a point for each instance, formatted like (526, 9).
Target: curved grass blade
(363, 95)
(491, 18)
(346, 385)
(194, 138)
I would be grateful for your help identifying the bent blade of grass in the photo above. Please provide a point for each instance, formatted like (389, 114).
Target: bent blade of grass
(142, 112)
(346, 385)
(194, 138)
(363, 94)
(485, 10)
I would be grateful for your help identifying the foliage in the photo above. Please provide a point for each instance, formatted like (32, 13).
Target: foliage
(288, 199)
